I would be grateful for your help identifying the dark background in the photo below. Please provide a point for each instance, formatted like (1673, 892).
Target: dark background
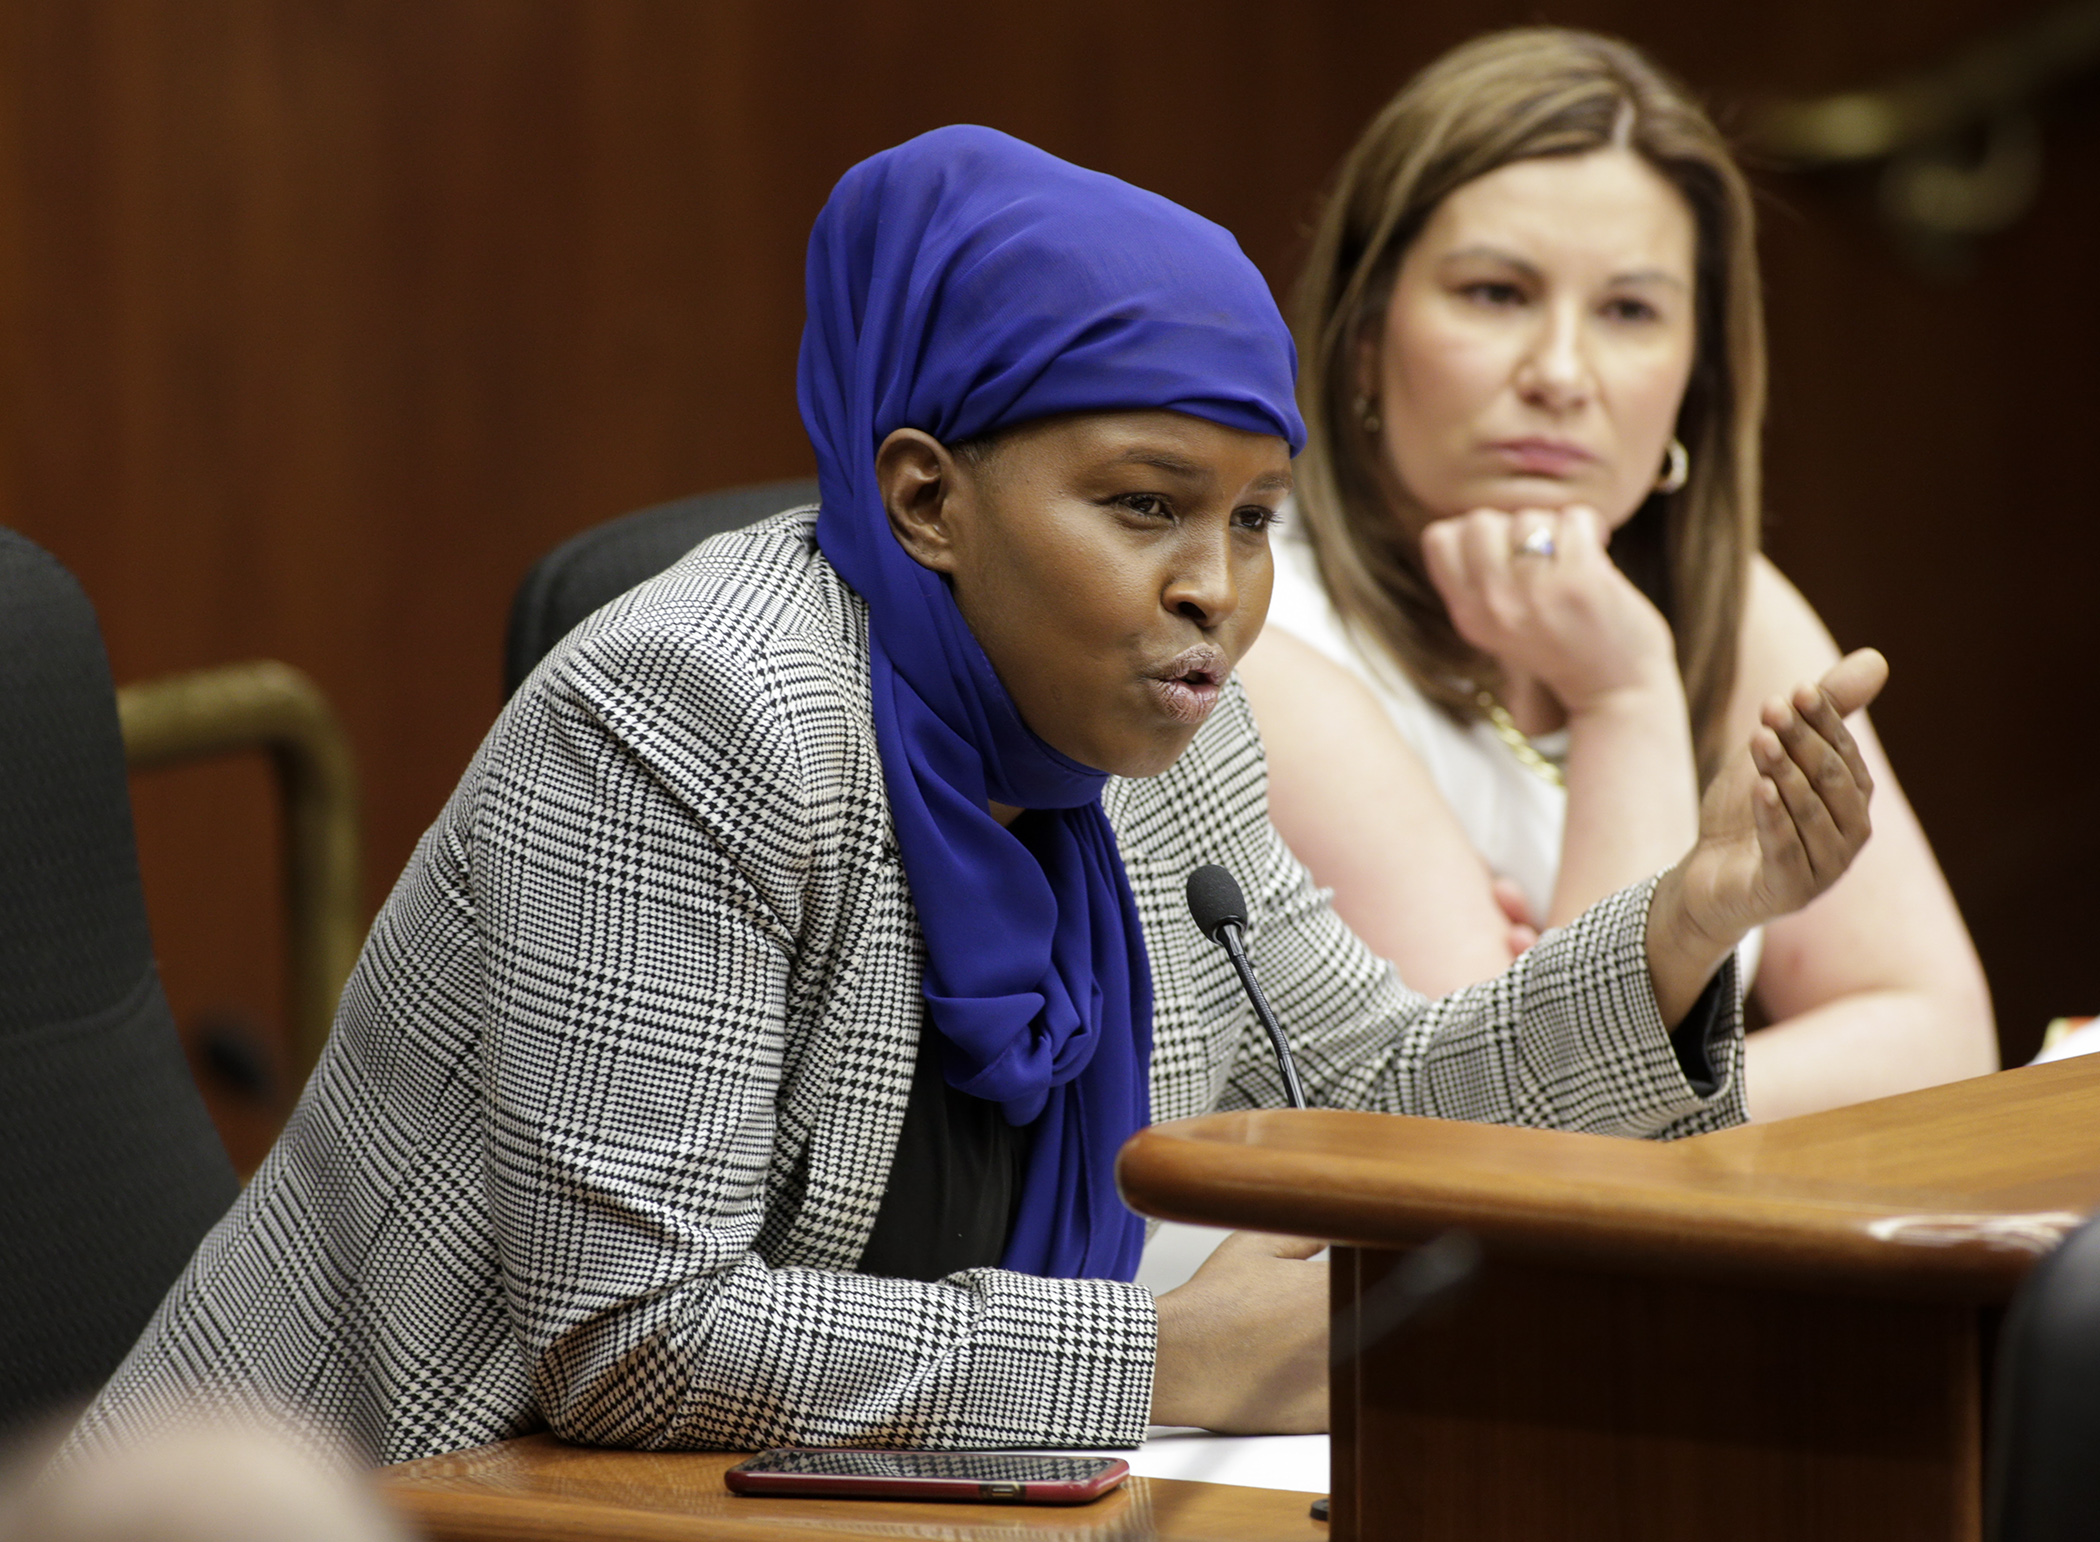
(321, 319)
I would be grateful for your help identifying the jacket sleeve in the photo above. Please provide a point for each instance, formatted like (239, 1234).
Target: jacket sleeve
(641, 864)
(1567, 1038)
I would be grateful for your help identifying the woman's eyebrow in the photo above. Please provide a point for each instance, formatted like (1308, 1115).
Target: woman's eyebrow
(1650, 276)
(1493, 254)
(1192, 471)
(1161, 460)
(1531, 269)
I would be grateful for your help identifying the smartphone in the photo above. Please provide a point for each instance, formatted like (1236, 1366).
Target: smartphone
(996, 1477)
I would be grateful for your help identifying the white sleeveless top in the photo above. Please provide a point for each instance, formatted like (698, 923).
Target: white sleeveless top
(1512, 816)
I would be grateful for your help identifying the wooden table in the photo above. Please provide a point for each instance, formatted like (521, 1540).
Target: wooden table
(1750, 1334)
(1776, 1331)
(537, 1487)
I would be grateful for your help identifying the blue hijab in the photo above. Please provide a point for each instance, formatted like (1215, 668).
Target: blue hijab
(959, 284)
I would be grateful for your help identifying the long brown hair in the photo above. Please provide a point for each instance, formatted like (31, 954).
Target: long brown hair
(1510, 96)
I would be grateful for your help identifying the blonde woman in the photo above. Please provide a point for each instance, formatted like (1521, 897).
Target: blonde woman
(1523, 616)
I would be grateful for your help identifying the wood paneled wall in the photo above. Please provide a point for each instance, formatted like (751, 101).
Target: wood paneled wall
(321, 319)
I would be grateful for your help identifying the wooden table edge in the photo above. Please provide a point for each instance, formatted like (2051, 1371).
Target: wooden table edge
(444, 1497)
(1386, 1181)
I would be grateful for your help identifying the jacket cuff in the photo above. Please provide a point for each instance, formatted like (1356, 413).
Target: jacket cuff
(1665, 1085)
(1065, 1363)
(1702, 1040)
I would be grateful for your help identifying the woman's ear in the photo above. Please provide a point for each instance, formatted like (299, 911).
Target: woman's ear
(1365, 362)
(917, 476)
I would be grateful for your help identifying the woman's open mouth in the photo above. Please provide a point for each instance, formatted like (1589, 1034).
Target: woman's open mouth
(1187, 685)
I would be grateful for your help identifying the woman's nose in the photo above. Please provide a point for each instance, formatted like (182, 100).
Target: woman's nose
(1555, 370)
(1203, 587)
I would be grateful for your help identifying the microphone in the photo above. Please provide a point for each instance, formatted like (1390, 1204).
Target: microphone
(1423, 1280)
(1220, 910)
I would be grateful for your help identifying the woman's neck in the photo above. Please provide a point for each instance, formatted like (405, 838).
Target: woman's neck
(1004, 813)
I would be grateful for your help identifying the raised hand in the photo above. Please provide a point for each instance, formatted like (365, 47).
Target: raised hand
(1777, 827)
(1557, 609)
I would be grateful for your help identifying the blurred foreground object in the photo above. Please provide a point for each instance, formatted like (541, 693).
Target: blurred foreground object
(268, 706)
(200, 1484)
(110, 1172)
(2044, 1476)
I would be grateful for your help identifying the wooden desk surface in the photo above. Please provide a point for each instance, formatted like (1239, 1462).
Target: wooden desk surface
(537, 1487)
(1943, 1192)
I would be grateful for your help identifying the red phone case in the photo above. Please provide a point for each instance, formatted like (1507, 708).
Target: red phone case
(979, 1477)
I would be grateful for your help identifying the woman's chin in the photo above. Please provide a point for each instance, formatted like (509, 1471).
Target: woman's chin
(1137, 735)
(1512, 494)
(1139, 756)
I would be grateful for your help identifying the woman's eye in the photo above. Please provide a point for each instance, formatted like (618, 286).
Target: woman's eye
(1630, 310)
(1255, 517)
(1151, 505)
(1494, 293)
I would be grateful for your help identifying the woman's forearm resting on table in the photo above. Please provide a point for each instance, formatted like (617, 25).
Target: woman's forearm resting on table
(1873, 1044)
(759, 1356)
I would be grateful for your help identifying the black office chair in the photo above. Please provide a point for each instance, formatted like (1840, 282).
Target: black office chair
(607, 560)
(110, 1171)
(2043, 1482)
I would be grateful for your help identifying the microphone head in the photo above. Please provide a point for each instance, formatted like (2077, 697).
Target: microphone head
(1215, 900)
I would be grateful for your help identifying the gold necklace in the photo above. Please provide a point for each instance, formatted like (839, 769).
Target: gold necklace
(1509, 733)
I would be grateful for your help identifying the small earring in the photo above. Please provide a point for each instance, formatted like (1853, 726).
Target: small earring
(1679, 462)
(1367, 413)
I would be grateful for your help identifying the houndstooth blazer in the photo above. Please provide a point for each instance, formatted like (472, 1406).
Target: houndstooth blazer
(611, 1098)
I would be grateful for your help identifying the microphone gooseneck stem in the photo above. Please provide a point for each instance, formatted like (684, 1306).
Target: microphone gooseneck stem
(1229, 935)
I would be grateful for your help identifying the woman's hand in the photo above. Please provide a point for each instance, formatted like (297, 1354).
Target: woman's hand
(1516, 909)
(1573, 624)
(1571, 620)
(1243, 1345)
(1778, 827)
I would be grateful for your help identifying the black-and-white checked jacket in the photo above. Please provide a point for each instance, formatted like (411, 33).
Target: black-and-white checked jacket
(611, 1098)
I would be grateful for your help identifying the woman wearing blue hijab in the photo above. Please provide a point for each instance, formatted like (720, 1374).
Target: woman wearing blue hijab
(743, 1057)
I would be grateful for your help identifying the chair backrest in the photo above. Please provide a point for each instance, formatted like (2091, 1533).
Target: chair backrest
(2043, 1480)
(607, 560)
(110, 1171)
